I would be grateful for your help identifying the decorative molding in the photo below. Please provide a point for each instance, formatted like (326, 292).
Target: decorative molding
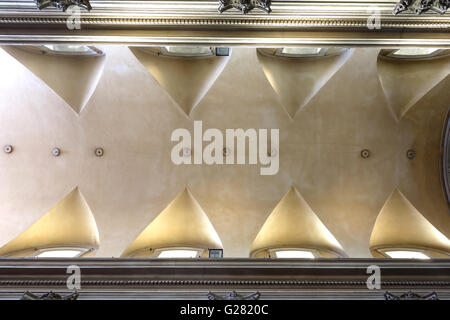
(445, 159)
(63, 4)
(411, 296)
(49, 296)
(218, 278)
(245, 6)
(233, 295)
(184, 22)
(422, 6)
(325, 14)
(319, 23)
(221, 283)
(411, 154)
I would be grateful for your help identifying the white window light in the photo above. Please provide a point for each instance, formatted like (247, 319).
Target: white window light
(295, 254)
(406, 255)
(300, 51)
(178, 254)
(414, 52)
(189, 51)
(60, 254)
(68, 48)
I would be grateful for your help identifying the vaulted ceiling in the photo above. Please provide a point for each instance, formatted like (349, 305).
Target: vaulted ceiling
(132, 105)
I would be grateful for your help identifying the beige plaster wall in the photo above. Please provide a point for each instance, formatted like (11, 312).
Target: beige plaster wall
(132, 118)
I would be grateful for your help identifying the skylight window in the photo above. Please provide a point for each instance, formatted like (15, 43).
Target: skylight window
(68, 48)
(300, 51)
(294, 254)
(178, 254)
(303, 52)
(60, 254)
(189, 51)
(414, 52)
(406, 255)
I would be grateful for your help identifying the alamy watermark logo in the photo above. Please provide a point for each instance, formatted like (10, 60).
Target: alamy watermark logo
(374, 280)
(216, 150)
(374, 19)
(73, 22)
(74, 280)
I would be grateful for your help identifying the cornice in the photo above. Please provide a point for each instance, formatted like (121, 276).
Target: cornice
(225, 263)
(320, 9)
(259, 272)
(195, 278)
(283, 22)
(145, 22)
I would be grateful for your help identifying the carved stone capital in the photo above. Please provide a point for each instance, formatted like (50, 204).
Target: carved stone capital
(244, 6)
(422, 6)
(63, 4)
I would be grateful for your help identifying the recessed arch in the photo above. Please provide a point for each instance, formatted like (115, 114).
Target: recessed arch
(68, 226)
(185, 77)
(296, 77)
(401, 227)
(181, 225)
(405, 79)
(293, 225)
(72, 72)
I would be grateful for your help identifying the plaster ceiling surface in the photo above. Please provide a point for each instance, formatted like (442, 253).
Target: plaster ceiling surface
(132, 118)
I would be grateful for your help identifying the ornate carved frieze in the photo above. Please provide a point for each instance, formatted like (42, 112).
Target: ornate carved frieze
(233, 295)
(244, 6)
(63, 4)
(422, 6)
(411, 296)
(49, 296)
